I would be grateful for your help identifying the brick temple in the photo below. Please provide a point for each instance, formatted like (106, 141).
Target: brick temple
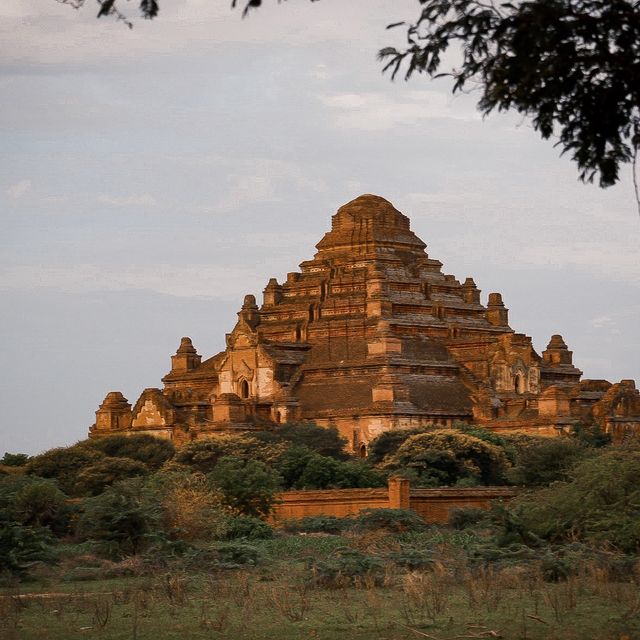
(371, 335)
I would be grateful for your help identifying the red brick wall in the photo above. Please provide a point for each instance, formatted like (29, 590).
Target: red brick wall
(293, 505)
(433, 505)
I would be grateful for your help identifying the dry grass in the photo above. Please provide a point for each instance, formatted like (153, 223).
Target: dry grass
(448, 600)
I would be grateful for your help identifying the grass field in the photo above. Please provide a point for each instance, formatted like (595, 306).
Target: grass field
(321, 587)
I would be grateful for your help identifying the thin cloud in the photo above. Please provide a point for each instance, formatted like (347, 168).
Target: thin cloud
(142, 200)
(204, 281)
(247, 190)
(376, 111)
(264, 180)
(19, 189)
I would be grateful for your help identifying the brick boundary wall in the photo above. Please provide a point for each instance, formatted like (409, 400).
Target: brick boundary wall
(433, 505)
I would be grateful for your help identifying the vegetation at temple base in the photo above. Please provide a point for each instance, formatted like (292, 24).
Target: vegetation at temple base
(153, 452)
(247, 486)
(203, 455)
(325, 441)
(447, 457)
(177, 551)
(14, 459)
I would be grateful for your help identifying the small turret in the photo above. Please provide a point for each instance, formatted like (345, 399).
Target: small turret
(557, 352)
(497, 314)
(272, 294)
(114, 414)
(249, 313)
(470, 292)
(186, 358)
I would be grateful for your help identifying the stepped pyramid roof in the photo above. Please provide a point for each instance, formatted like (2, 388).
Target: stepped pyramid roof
(369, 335)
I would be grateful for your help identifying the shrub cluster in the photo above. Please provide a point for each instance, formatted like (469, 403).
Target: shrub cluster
(133, 495)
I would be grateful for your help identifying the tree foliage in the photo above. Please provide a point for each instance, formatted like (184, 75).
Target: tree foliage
(95, 478)
(321, 472)
(541, 461)
(591, 435)
(325, 441)
(14, 459)
(29, 509)
(388, 442)
(302, 468)
(203, 455)
(396, 520)
(123, 518)
(448, 457)
(599, 503)
(64, 464)
(41, 504)
(193, 509)
(34, 502)
(145, 448)
(247, 486)
(21, 547)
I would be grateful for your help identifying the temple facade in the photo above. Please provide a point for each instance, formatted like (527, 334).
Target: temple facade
(371, 335)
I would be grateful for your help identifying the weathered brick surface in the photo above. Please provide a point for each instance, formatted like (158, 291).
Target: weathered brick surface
(433, 505)
(371, 335)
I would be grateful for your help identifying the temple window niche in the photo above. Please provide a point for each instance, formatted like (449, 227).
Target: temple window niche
(518, 384)
(244, 389)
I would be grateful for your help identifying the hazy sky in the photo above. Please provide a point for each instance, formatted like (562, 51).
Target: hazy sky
(151, 177)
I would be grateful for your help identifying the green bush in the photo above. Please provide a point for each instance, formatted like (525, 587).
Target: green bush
(124, 519)
(464, 517)
(556, 568)
(14, 459)
(388, 442)
(591, 435)
(248, 528)
(325, 441)
(446, 456)
(95, 478)
(345, 568)
(235, 554)
(359, 474)
(412, 559)
(318, 472)
(391, 520)
(21, 547)
(541, 461)
(302, 468)
(482, 433)
(204, 455)
(147, 449)
(599, 504)
(64, 464)
(35, 502)
(291, 464)
(247, 486)
(42, 504)
(318, 524)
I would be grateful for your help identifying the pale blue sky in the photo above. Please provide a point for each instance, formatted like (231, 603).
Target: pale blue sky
(150, 178)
